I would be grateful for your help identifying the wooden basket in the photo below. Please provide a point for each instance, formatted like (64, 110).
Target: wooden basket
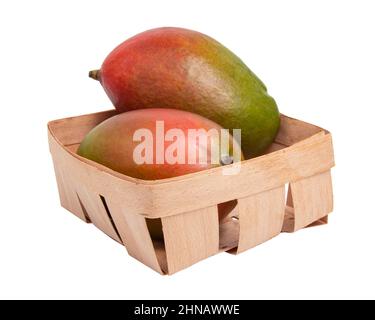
(201, 213)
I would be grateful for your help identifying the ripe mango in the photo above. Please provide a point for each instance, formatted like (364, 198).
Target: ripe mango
(144, 144)
(185, 69)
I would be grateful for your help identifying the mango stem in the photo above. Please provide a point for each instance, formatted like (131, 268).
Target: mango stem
(94, 74)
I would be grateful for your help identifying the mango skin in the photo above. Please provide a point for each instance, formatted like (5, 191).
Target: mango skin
(185, 69)
(111, 143)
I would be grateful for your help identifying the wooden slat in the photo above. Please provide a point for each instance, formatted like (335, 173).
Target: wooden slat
(261, 217)
(292, 131)
(311, 199)
(96, 211)
(72, 130)
(135, 235)
(190, 237)
(320, 222)
(68, 196)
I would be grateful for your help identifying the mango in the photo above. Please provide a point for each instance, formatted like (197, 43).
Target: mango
(184, 69)
(152, 144)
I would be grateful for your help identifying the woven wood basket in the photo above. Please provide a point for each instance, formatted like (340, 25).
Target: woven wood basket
(202, 213)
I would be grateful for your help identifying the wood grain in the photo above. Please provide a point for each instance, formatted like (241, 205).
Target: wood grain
(135, 235)
(261, 217)
(96, 212)
(190, 237)
(68, 196)
(310, 200)
(292, 131)
(72, 130)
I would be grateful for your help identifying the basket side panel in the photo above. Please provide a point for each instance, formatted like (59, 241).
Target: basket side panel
(292, 131)
(208, 188)
(309, 200)
(77, 195)
(190, 237)
(261, 217)
(68, 197)
(72, 130)
(133, 230)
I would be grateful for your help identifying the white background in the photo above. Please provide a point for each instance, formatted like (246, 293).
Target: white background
(317, 59)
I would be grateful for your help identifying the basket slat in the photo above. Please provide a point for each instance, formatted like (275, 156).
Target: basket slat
(68, 198)
(96, 211)
(309, 200)
(292, 131)
(261, 217)
(190, 237)
(135, 235)
(73, 130)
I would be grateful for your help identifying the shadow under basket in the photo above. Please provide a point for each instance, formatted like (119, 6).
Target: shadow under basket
(203, 213)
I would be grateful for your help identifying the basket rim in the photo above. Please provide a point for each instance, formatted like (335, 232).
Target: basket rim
(186, 177)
